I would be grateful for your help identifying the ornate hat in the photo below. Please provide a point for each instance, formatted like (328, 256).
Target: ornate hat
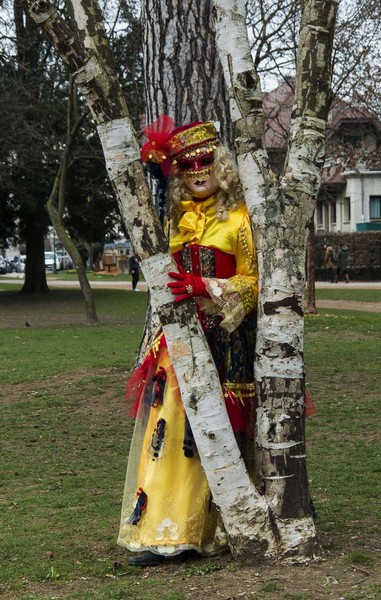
(166, 143)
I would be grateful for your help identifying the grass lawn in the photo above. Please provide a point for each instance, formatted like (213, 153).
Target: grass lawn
(349, 294)
(71, 275)
(65, 434)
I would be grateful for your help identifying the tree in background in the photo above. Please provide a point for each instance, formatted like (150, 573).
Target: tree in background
(273, 26)
(30, 137)
(182, 72)
(125, 37)
(34, 87)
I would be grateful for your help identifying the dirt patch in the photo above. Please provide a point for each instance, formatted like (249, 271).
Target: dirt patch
(349, 305)
(64, 309)
(54, 386)
(224, 578)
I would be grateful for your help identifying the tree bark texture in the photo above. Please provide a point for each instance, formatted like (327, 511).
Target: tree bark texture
(280, 210)
(35, 277)
(89, 59)
(310, 270)
(27, 48)
(183, 73)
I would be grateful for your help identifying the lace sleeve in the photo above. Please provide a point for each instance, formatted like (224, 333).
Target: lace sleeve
(232, 299)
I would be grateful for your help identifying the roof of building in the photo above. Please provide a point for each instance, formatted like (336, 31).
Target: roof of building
(277, 106)
(332, 175)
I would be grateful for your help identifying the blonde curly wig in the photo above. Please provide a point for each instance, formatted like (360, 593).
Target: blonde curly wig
(229, 194)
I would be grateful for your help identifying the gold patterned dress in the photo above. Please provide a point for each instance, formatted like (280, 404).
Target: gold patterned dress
(167, 504)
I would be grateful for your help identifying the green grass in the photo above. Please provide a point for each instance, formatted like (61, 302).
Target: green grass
(357, 295)
(343, 367)
(269, 586)
(65, 434)
(360, 558)
(71, 275)
(45, 351)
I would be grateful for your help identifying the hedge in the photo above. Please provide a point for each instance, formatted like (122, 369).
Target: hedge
(364, 254)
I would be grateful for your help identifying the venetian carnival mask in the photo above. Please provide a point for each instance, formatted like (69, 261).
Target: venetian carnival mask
(198, 173)
(188, 149)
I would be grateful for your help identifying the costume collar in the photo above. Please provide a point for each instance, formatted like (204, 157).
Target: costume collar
(192, 223)
(197, 206)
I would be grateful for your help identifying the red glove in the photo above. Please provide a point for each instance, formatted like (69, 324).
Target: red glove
(186, 286)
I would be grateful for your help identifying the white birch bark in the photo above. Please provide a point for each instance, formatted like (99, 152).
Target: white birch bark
(280, 212)
(88, 57)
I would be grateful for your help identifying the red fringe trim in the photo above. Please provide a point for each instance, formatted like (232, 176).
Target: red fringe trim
(310, 406)
(140, 377)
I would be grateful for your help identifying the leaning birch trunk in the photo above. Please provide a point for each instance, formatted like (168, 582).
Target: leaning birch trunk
(280, 211)
(91, 64)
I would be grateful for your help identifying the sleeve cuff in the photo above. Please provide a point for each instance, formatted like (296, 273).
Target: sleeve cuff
(232, 299)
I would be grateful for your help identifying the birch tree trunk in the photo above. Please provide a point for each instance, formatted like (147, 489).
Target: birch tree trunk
(90, 62)
(280, 210)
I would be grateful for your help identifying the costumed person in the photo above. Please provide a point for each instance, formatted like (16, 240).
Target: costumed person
(167, 505)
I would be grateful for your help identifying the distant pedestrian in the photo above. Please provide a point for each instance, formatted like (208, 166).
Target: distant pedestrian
(342, 264)
(134, 271)
(330, 263)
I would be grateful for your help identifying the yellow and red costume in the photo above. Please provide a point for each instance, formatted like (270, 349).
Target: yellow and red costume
(167, 505)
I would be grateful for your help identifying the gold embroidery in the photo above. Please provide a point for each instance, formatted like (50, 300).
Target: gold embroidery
(245, 291)
(249, 256)
(194, 136)
(207, 262)
(245, 390)
(241, 391)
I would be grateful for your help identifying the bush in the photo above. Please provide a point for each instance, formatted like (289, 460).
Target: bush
(364, 254)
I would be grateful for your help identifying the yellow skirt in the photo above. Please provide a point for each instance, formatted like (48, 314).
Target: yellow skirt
(178, 513)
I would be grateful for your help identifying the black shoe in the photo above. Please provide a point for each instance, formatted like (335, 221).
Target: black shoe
(146, 559)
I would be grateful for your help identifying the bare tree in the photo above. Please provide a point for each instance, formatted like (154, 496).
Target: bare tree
(274, 34)
(56, 204)
(281, 209)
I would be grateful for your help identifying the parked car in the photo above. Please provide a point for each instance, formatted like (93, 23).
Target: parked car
(17, 264)
(50, 258)
(3, 266)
